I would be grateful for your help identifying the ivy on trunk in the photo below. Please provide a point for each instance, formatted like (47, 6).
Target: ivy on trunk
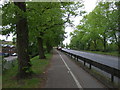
(22, 43)
(40, 47)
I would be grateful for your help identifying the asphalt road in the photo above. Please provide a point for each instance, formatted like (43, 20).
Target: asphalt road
(64, 73)
(111, 61)
(10, 62)
(10, 58)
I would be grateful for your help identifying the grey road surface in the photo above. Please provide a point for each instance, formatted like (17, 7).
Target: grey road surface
(10, 62)
(10, 58)
(64, 73)
(111, 61)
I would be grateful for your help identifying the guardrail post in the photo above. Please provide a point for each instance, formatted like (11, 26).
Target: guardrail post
(84, 63)
(89, 66)
(74, 56)
(112, 78)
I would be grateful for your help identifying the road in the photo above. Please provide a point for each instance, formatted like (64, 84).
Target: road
(111, 61)
(10, 58)
(10, 62)
(64, 73)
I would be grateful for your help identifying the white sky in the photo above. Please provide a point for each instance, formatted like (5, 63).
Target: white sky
(89, 6)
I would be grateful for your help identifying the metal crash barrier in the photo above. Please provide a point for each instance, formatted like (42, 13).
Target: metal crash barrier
(108, 69)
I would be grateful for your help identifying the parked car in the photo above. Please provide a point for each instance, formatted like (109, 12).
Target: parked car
(6, 54)
(14, 54)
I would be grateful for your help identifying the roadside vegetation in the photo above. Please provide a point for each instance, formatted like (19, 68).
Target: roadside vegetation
(112, 53)
(99, 31)
(0, 72)
(38, 27)
(8, 42)
(38, 67)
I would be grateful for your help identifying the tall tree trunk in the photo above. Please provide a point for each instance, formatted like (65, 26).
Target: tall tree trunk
(22, 43)
(104, 43)
(95, 44)
(49, 47)
(88, 47)
(41, 49)
(117, 40)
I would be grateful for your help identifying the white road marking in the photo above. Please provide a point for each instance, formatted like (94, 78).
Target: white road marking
(76, 81)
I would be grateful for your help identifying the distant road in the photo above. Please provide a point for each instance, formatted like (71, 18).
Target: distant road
(111, 61)
(10, 58)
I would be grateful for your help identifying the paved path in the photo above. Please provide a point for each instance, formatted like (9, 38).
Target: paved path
(111, 61)
(64, 73)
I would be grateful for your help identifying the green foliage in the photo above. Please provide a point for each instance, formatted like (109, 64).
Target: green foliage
(98, 30)
(42, 17)
(9, 18)
(0, 17)
(38, 67)
(45, 20)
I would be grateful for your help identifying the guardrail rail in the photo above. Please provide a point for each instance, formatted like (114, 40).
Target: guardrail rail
(108, 69)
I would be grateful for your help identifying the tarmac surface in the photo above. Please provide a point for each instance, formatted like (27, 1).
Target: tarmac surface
(112, 61)
(10, 58)
(64, 73)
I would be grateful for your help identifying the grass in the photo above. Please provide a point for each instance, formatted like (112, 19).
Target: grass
(114, 53)
(0, 72)
(38, 67)
(0, 82)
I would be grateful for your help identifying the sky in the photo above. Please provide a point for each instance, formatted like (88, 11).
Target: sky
(89, 6)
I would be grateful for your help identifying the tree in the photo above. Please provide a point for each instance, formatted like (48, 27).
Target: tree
(22, 42)
(42, 20)
(118, 18)
(53, 37)
(50, 15)
(99, 27)
(15, 21)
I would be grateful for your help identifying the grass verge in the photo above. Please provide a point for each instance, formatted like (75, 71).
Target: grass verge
(38, 67)
(0, 82)
(114, 53)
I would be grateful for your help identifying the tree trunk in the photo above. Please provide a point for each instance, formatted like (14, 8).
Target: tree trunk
(95, 44)
(88, 47)
(40, 47)
(104, 43)
(22, 43)
(49, 47)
